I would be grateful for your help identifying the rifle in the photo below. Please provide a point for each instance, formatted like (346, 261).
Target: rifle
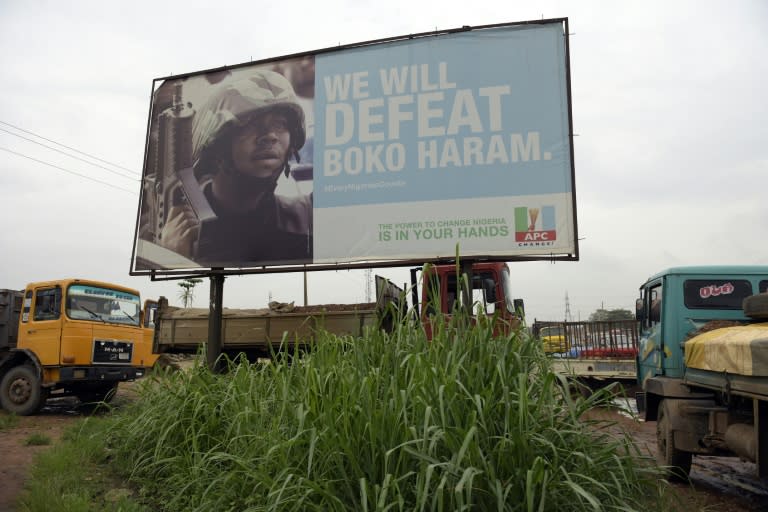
(170, 180)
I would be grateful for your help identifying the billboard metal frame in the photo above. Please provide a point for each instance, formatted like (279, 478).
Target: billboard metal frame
(175, 274)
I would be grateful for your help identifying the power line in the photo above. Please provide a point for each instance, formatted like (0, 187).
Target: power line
(71, 156)
(67, 170)
(71, 149)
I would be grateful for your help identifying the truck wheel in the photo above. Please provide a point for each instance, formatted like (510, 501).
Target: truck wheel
(98, 393)
(756, 306)
(20, 391)
(678, 462)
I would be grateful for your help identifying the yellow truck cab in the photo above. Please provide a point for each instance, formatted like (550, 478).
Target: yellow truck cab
(553, 339)
(69, 337)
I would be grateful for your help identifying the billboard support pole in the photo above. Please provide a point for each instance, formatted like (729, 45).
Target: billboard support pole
(216, 309)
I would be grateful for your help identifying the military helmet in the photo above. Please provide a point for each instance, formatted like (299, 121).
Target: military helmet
(234, 103)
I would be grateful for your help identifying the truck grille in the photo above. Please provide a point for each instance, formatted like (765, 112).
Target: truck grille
(112, 352)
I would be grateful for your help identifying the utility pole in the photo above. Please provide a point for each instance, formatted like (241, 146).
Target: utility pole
(568, 316)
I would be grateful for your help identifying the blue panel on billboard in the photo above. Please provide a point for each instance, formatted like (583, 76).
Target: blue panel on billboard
(467, 115)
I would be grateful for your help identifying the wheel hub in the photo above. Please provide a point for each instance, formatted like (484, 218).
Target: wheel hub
(20, 391)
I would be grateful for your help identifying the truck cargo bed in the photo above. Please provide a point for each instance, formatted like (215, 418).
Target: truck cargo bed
(185, 330)
(741, 350)
(10, 307)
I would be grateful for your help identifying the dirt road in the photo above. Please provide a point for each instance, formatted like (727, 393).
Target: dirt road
(717, 484)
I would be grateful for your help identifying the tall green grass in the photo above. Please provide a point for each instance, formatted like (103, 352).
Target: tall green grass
(392, 421)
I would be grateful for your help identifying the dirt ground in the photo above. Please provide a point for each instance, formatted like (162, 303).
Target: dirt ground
(17, 457)
(717, 484)
(52, 421)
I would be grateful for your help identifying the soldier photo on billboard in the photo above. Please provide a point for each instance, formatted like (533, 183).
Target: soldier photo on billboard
(243, 138)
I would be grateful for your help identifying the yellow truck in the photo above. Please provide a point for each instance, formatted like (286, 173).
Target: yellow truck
(70, 337)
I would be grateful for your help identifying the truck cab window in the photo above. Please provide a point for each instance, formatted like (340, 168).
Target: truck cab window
(452, 294)
(716, 293)
(763, 287)
(47, 304)
(483, 293)
(479, 302)
(433, 294)
(653, 303)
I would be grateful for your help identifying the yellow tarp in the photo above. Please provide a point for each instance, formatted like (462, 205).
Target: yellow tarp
(740, 350)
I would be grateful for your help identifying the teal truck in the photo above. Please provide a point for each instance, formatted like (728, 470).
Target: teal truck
(702, 363)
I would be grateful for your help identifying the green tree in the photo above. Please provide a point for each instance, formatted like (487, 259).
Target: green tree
(187, 292)
(611, 315)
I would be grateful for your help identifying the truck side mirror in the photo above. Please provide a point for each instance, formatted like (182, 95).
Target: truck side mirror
(640, 310)
(490, 290)
(519, 307)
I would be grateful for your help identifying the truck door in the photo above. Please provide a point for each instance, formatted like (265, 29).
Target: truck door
(390, 302)
(651, 344)
(40, 328)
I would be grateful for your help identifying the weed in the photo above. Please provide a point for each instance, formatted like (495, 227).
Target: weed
(37, 440)
(74, 475)
(8, 420)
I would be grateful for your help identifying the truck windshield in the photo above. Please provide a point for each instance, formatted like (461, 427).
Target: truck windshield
(86, 302)
(551, 331)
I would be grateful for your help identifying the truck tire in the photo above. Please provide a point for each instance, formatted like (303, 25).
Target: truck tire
(677, 462)
(20, 391)
(756, 306)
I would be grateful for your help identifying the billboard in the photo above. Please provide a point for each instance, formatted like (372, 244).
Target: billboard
(384, 152)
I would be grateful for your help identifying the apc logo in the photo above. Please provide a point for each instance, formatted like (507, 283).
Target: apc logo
(535, 225)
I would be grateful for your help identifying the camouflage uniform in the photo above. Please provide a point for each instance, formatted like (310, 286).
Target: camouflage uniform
(280, 229)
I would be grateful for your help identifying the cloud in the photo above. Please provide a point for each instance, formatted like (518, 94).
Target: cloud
(668, 105)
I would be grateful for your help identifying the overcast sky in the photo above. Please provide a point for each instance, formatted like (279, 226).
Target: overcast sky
(669, 108)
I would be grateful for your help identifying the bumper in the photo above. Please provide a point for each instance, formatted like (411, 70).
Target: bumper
(99, 373)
